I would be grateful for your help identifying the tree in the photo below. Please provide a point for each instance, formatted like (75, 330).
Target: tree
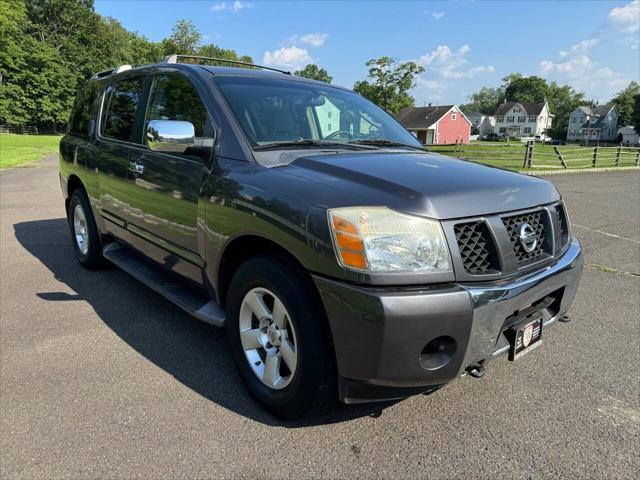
(635, 118)
(525, 89)
(562, 101)
(184, 40)
(315, 73)
(625, 101)
(389, 83)
(485, 100)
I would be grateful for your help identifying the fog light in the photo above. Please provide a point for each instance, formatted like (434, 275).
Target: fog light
(437, 353)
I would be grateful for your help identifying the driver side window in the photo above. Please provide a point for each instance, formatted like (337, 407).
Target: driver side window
(328, 118)
(173, 97)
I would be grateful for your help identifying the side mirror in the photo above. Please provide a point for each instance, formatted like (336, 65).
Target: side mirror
(170, 136)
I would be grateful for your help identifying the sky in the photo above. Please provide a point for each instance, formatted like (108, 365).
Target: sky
(463, 45)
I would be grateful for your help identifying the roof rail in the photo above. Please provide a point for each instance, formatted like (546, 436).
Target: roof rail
(111, 71)
(174, 59)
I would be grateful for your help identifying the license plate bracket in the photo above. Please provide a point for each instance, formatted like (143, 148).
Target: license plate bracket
(524, 337)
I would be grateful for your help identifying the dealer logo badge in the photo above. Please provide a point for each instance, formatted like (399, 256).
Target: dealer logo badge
(527, 335)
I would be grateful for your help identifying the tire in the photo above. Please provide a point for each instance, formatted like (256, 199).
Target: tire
(82, 224)
(310, 385)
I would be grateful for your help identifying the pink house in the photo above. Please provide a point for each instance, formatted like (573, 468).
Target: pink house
(441, 125)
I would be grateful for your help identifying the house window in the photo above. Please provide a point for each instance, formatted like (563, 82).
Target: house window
(516, 110)
(574, 120)
(572, 132)
(329, 126)
(454, 116)
(500, 119)
(532, 119)
(503, 130)
(510, 119)
(328, 114)
(522, 119)
(527, 129)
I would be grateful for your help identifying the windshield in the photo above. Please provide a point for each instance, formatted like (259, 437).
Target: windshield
(274, 111)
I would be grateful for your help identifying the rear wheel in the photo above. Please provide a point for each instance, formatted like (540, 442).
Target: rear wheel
(87, 244)
(279, 338)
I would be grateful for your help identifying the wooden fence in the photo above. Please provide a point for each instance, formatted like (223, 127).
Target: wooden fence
(532, 155)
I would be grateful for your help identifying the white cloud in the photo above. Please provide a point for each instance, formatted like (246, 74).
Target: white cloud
(446, 63)
(627, 17)
(436, 15)
(292, 58)
(582, 46)
(314, 39)
(235, 6)
(572, 68)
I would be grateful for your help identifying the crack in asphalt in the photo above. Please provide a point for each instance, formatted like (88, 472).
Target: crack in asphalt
(604, 268)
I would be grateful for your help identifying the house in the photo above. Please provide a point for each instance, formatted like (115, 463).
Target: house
(593, 123)
(523, 119)
(484, 123)
(628, 136)
(439, 125)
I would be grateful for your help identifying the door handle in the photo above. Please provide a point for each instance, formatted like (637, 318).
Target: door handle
(136, 167)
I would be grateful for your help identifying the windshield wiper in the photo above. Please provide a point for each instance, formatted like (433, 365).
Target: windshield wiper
(383, 142)
(314, 143)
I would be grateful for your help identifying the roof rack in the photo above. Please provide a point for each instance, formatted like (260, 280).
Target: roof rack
(174, 59)
(111, 71)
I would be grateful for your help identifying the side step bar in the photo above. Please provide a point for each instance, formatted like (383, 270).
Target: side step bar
(191, 299)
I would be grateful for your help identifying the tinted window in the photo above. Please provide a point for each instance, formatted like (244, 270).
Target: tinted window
(174, 98)
(81, 116)
(120, 104)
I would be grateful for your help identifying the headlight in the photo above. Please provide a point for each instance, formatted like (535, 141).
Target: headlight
(378, 239)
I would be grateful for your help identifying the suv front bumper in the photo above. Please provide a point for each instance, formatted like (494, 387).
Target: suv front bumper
(382, 335)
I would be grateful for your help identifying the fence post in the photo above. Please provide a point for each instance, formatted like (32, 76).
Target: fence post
(618, 154)
(531, 152)
(560, 157)
(638, 158)
(526, 155)
(595, 156)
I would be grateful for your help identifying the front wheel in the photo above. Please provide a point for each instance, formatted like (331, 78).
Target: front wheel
(279, 337)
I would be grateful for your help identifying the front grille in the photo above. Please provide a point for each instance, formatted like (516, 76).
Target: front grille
(476, 247)
(564, 224)
(514, 223)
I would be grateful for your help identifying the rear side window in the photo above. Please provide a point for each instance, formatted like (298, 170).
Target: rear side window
(174, 98)
(80, 123)
(120, 106)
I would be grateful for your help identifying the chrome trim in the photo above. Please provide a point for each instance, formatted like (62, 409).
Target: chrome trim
(495, 301)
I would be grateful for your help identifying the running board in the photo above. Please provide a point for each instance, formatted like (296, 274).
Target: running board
(191, 299)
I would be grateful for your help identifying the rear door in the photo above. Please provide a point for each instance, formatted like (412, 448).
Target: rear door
(120, 134)
(165, 190)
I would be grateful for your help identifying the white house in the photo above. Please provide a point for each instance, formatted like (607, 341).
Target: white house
(523, 119)
(628, 136)
(484, 123)
(588, 123)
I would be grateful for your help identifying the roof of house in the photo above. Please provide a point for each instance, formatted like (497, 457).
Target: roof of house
(530, 108)
(422, 117)
(598, 111)
(627, 130)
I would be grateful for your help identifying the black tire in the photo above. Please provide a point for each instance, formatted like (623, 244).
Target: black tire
(92, 258)
(312, 386)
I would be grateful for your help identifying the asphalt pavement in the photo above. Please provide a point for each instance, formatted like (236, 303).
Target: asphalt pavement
(101, 377)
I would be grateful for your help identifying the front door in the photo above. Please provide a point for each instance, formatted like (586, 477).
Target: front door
(165, 189)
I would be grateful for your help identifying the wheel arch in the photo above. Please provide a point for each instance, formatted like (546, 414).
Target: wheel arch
(247, 246)
(73, 183)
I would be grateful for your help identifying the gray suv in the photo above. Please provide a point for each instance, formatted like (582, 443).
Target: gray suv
(342, 259)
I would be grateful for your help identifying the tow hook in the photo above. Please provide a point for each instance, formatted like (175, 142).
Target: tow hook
(476, 370)
(565, 318)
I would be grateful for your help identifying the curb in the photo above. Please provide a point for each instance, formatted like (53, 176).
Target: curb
(577, 170)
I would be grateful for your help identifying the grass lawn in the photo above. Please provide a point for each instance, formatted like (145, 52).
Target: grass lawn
(511, 155)
(17, 150)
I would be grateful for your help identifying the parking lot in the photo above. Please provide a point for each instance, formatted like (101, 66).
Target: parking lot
(101, 377)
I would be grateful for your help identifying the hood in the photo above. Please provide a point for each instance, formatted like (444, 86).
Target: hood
(424, 184)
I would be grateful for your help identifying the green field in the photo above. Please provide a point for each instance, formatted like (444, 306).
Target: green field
(19, 150)
(511, 155)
